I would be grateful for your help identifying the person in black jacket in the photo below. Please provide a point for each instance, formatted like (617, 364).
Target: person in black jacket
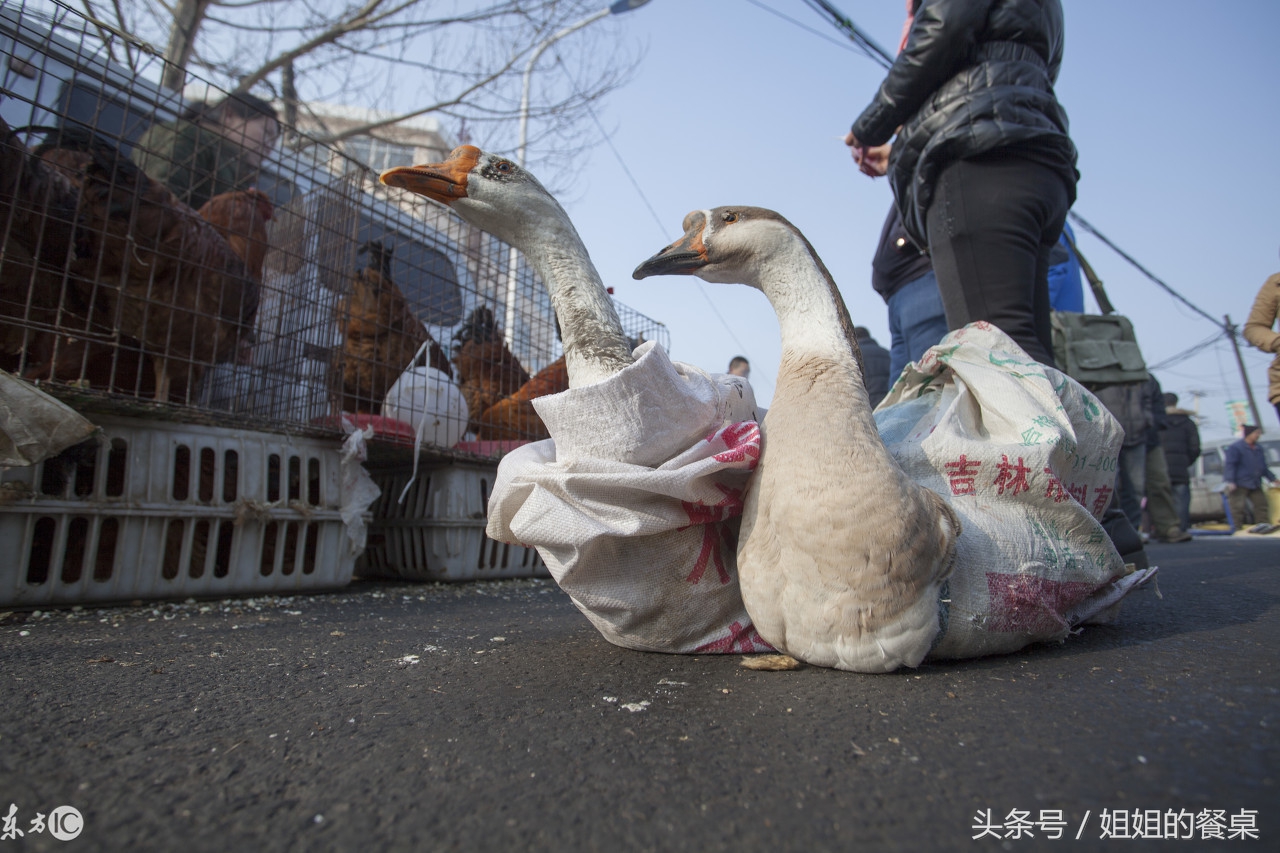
(875, 365)
(1181, 450)
(982, 168)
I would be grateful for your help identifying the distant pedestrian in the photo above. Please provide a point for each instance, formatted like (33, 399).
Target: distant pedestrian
(1244, 467)
(1158, 488)
(875, 365)
(903, 276)
(1130, 403)
(1181, 443)
(739, 366)
(1258, 331)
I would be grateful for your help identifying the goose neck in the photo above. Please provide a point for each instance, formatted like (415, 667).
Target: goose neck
(595, 345)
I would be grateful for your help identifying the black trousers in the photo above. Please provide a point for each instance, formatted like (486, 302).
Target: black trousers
(992, 222)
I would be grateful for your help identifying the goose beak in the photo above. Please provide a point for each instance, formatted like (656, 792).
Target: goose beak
(444, 182)
(683, 257)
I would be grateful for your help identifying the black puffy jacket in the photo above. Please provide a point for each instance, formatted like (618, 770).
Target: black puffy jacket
(975, 76)
(1181, 445)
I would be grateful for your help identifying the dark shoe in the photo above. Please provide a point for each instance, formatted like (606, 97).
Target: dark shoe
(1127, 540)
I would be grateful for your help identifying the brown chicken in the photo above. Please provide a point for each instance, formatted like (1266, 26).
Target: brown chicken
(38, 235)
(380, 334)
(241, 217)
(160, 274)
(513, 418)
(487, 371)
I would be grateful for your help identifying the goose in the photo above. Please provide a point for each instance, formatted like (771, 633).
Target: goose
(494, 194)
(633, 503)
(841, 556)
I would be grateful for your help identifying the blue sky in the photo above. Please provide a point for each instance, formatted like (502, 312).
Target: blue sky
(1173, 107)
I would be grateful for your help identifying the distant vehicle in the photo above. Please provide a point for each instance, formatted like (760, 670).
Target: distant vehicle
(1206, 477)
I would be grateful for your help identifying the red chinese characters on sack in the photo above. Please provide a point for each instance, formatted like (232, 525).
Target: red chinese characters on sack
(716, 537)
(1054, 490)
(1011, 476)
(1031, 603)
(742, 444)
(739, 640)
(1101, 497)
(962, 475)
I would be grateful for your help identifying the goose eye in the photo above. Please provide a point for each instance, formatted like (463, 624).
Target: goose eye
(729, 216)
(503, 166)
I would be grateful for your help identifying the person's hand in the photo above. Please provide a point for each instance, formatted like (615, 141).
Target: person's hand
(872, 161)
(1228, 487)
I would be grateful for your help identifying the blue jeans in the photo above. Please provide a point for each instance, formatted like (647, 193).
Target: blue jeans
(917, 321)
(1182, 500)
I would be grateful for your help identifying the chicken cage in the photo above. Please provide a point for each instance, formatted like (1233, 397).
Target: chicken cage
(184, 255)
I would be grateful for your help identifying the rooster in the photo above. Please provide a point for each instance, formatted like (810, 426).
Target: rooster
(380, 334)
(38, 219)
(487, 371)
(241, 218)
(513, 418)
(157, 280)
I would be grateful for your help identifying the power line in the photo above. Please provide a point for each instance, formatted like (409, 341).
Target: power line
(856, 34)
(644, 198)
(877, 53)
(807, 28)
(1084, 223)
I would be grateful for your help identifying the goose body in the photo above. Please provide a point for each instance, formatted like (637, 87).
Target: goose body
(841, 556)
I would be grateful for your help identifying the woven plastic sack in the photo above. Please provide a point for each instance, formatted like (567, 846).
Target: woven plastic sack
(635, 502)
(1026, 457)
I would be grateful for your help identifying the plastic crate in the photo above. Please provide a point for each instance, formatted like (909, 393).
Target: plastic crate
(158, 510)
(437, 533)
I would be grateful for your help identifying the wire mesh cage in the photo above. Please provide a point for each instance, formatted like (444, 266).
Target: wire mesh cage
(190, 258)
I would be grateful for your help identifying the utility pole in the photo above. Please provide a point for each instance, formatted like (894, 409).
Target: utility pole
(1244, 377)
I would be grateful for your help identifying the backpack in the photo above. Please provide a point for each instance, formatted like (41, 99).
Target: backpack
(1096, 349)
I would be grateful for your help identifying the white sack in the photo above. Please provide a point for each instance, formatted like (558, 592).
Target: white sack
(1027, 459)
(35, 426)
(635, 501)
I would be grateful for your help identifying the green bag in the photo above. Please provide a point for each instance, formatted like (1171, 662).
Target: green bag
(1096, 349)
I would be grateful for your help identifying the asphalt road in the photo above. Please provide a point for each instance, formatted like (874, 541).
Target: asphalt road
(492, 716)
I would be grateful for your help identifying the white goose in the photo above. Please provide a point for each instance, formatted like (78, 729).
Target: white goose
(496, 195)
(841, 555)
(634, 502)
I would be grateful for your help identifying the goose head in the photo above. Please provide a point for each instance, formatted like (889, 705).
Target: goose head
(489, 191)
(497, 196)
(728, 245)
(760, 248)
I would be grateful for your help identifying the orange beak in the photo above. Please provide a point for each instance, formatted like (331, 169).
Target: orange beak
(445, 182)
(683, 257)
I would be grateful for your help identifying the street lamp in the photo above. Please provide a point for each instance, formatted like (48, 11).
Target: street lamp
(513, 265)
(616, 8)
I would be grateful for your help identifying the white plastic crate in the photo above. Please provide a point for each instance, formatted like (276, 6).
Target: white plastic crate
(161, 510)
(437, 534)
